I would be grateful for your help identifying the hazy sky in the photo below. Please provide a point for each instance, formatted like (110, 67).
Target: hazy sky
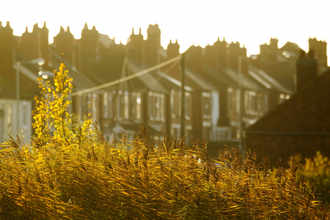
(251, 22)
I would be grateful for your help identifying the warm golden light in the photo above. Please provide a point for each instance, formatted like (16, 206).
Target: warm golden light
(190, 22)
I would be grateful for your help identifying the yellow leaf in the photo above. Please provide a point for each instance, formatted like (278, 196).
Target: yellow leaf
(7, 150)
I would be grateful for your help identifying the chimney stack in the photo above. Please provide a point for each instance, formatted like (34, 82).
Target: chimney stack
(306, 70)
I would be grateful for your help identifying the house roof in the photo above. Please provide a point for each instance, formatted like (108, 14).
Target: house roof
(8, 88)
(216, 77)
(144, 82)
(306, 111)
(105, 40)
(170, 82)
(291, 47)
(80, 80)
(200, 83)
(247, 81)
(267, 80)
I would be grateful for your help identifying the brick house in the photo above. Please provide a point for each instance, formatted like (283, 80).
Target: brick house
(238, 96)
(82, 104)
(221, 98)
(212, 77)
(300, 124)
(13, 49)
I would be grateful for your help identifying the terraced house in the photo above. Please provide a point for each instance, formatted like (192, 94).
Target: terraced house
(225, 91)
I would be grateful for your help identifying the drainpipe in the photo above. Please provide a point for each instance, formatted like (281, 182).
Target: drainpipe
(182, 118)
(240, 104)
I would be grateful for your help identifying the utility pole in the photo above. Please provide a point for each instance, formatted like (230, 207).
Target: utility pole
(240, 103)
(182, 118)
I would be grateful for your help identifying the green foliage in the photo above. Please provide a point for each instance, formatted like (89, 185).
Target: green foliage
(74, 174)
(316, 171)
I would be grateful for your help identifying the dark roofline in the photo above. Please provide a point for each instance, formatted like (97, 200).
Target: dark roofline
(283, 104)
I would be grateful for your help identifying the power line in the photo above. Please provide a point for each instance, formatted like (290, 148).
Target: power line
(126, 78)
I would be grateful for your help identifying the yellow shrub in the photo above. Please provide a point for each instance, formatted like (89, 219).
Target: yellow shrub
(77, 175)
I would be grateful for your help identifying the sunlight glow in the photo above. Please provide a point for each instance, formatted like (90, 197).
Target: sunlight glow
(190, 22)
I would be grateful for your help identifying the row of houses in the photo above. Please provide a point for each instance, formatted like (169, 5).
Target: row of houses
(225, 91)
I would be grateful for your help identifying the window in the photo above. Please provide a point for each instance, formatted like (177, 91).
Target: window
(110, 103)
(246, 101)
(126, 105)
(265, 103)
(105, 105)
(259, 104)
(118, 104)
(187, 105)
(156, 106)
(151, 104)
(206, 105)
(136, 106)
(238, 104)
(9, 119)
(79, 103)
(230, 99)
(25, 115)
(162, 107)
(172, 102)
(94, 107)
(252, 102)
(88, 103)
(84, 104)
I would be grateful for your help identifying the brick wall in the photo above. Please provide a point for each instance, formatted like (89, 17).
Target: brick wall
(299, 125)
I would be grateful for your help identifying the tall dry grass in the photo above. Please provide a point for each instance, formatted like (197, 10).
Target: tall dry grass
(75, 174)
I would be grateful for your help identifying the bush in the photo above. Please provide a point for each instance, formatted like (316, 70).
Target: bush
(73, 173)
(316, 171)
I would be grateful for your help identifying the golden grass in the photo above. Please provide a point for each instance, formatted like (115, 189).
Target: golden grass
(75, 174)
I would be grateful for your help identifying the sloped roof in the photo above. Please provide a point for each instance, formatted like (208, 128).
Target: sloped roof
(267, 80)
(162, 53)
(8, 89)
(305, 112)
(217, 77)
(170, 82)
(199, 82)
(292, 47)
(148, 80)
(80, 80)
(247, 81)
(105, 40)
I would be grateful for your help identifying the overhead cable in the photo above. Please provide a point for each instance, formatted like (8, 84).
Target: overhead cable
(126, 78)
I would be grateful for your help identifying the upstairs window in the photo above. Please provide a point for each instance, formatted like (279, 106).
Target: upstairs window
(206, 102)
(105, 105)
(126, 105)
(79, 103)
(118, 104)
(251, 102)
(136, 106)
(110, 104)
(173, 104)
(25, 115)
(94, 107)
(238, 104)
(187, 105)
(156, 106)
